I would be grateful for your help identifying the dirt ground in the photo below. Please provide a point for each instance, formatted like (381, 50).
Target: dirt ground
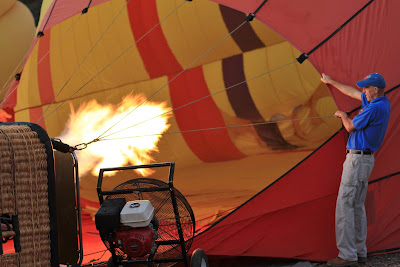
(386, 260)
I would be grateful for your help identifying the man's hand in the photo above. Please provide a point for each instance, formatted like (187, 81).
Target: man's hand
(345, 89)
(326, 79)
(347, 122)
(340, 114)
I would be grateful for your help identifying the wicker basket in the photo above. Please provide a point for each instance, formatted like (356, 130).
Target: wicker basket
(27, 190)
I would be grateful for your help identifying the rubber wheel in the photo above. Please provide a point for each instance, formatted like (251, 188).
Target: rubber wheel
(199, 258)
(110, 262)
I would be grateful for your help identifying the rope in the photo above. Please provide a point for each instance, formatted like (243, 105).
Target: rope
(80, 64)
(40, 61)
(392, 89)
(45, 55)
(197, 100)
(386, 93)
(93, 260)
(80, 88)
(97, 252)
(48, 18)
(15, 70)
(384, 177)
(176, 76)
(304, 56)
(258, 9)
(222, 127)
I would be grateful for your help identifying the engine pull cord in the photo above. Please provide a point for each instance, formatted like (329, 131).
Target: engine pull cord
(305, 56)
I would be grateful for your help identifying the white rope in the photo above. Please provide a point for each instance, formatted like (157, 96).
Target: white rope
(26, 75)
(5, 87)
(176, 76)
(64, 101)
(80, 64)
(199, 99)
(218, 128)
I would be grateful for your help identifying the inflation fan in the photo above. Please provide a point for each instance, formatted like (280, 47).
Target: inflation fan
(146, 221)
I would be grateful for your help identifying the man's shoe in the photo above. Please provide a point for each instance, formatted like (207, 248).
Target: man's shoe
(341, 262)
(362, 260)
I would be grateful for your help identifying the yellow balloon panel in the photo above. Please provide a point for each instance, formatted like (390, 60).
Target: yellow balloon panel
(268, 36)
(43, 10)
(197, 27)
(242, 81)
(309, 132)
(99, 49)
(280, 88)
(213, 75)
(17, 29)
(28, 89)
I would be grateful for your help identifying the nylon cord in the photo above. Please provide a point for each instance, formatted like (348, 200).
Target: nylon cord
(305, 56)
(48, 18)
(260, 6)
(26, 75)
(222, 127)
(341, 27)
(387, 92)
(176, 76)
(64, 101)
(80, 64)
(259, 215)
(199, 99)
(15, 70)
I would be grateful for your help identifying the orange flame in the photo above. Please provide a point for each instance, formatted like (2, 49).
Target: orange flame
(92, 120)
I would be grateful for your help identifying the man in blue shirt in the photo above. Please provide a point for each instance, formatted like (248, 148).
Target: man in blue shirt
(367, 130)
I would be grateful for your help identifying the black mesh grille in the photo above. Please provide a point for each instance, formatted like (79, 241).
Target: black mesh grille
(164, 212)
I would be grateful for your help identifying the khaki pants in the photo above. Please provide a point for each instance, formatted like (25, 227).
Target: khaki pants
(351, 220)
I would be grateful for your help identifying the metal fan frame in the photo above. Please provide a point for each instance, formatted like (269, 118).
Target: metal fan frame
(173, 193)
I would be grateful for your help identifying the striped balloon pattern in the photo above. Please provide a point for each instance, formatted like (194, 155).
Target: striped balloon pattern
(166, 50)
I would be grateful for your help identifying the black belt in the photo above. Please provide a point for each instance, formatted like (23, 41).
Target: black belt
(355, 151)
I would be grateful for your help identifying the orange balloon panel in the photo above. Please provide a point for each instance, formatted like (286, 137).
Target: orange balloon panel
(250, 78)
(17, 28)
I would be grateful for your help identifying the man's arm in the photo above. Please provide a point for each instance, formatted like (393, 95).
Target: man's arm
(347, 122)
(345, 89)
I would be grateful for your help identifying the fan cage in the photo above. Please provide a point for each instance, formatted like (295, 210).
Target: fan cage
(159, 193)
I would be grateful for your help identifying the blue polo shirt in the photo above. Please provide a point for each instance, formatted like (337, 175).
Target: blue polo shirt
(370, 124)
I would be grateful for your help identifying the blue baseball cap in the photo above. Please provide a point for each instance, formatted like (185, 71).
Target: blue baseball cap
(374, 79)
